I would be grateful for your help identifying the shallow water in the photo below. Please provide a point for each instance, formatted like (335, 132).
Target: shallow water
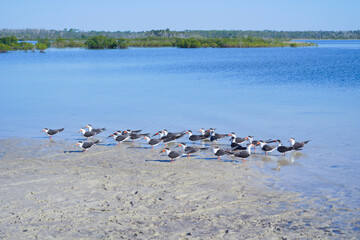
(306, 93)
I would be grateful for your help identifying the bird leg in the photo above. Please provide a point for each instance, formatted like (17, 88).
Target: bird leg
(152, 147)
(188, 155)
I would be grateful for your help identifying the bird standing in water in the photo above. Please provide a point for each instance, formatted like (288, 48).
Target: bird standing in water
(52, 132)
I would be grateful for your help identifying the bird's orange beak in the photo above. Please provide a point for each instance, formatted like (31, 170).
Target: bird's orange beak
(163, 150)
(179, 145)
(43, 130)
(187, 132)
(229, 134)
(77, 144)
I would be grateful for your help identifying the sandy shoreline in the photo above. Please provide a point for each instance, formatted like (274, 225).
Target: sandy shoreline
(49, 190)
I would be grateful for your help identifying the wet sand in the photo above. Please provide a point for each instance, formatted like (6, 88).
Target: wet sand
(48, 189)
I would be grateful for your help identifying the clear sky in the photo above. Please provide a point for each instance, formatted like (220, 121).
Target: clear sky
(141, 15)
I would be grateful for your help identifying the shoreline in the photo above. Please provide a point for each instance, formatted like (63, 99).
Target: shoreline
(48, 188)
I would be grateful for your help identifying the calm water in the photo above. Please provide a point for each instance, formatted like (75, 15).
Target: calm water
(306, 93)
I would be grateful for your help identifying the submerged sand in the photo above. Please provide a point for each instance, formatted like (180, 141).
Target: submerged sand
(50, 190)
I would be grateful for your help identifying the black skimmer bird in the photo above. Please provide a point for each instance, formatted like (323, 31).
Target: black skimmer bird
(136, 136)
(266, 147)
(216, 136)
(86, 145)
(205, 133)
(87, 134)
(235, 145)
(95, 130)
(238, 140)
(252, 141)
(172, 138)
(119, 137)
(283, 149)
(244, 154)
(162, 135)
(152, 141)
(167, 137)
(119, 132)
(51, 132)
(172, 154)
(194, 138)
(133, 131)
(170, 134)
(159, 133)
(221, 152)
(297, 145)
(188, 150)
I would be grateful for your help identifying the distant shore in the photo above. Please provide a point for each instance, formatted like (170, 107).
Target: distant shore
(72, 33)
(50, 189)
(102, 42)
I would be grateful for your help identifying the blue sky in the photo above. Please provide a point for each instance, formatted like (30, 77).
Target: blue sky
(142, 15)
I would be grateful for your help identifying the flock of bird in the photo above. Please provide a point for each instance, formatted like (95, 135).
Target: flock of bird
(236, 149)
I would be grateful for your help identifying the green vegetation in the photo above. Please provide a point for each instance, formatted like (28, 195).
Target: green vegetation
(66, 43)
(40, 46)
(4, 47)
(150, 42)
(76, 34)
(12, 43)
(122, 43)
(44, 41)
(243, 42)
(160, 38)
(26, 46)
(101, 42)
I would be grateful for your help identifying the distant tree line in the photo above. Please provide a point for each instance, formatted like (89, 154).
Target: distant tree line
(34, 34)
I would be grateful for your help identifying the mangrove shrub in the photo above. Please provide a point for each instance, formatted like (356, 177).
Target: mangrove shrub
(100, 42)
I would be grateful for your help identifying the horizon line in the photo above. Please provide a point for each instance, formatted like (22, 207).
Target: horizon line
(78, 30)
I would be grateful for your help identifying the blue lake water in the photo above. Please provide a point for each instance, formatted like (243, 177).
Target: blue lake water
(306, 93)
